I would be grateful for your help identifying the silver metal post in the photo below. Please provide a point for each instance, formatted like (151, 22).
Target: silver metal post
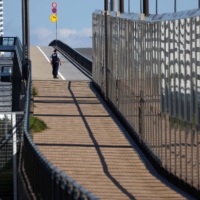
(129, 4)
(156, 7)
(114, 5)
(14, 157)
(56, 27)
(199, 4)
(56, 33)
(174, 5)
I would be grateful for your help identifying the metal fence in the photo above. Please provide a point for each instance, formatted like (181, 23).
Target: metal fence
(12, 44)
(11, 129)
(153, 80)
(46, 180)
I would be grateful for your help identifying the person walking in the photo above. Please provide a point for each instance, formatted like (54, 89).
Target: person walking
(55, 61)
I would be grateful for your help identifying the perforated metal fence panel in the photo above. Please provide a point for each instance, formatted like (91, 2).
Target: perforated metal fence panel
(153, 81)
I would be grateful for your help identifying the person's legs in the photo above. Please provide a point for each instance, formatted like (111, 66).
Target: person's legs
(56, 70)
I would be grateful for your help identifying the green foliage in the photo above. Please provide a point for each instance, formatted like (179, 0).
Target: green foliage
(34, 91)
(178, 123)
(36, 124)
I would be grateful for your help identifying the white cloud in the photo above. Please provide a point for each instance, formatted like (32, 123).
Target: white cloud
(42, 33)
(75, 38)
(66, 33)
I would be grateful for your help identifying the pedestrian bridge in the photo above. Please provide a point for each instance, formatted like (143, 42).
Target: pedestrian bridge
(85, 140)
(123, 123)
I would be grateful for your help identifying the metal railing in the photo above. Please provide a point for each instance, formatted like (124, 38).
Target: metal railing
(77, 57)
(153, 82)
(46, 180)
(11, 132)
(7, 41)
(19, 52)
(13, 41)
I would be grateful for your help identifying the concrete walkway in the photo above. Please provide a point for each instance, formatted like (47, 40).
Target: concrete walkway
(87, 142)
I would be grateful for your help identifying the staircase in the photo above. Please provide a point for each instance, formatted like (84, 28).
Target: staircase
(5, 97)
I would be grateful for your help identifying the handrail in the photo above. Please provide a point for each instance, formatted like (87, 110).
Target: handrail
(47, 181)
(76, 56)
(14, 41)
(19, 52)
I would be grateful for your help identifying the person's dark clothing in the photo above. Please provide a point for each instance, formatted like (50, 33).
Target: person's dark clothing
(55, 64)
(55, 70)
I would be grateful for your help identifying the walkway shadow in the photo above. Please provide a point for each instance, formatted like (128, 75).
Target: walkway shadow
(97, 147)
(142, 157)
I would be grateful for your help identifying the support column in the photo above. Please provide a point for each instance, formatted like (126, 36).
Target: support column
(121, 6)
(115, 5)
(16, 85)
(25, 35)
(25, 29)
(156, 7)
(14, 156)
(174, 5)
(146, 7)
(106, 47)
(1, 21)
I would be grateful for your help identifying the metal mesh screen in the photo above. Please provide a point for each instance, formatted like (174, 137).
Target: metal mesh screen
(154, 81)
(11, 129)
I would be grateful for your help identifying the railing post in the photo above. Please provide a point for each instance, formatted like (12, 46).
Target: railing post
(68, 191)
(106, 46)
(174, 5)
(146, 7)
(74, 193)
(121, 6)
(141, 115)
(156, 7)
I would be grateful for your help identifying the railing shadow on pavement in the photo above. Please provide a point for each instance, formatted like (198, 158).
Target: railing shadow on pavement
(97, 147)
(133, 144)
(45, 181)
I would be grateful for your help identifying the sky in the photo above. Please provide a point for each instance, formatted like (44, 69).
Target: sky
(74, 23)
